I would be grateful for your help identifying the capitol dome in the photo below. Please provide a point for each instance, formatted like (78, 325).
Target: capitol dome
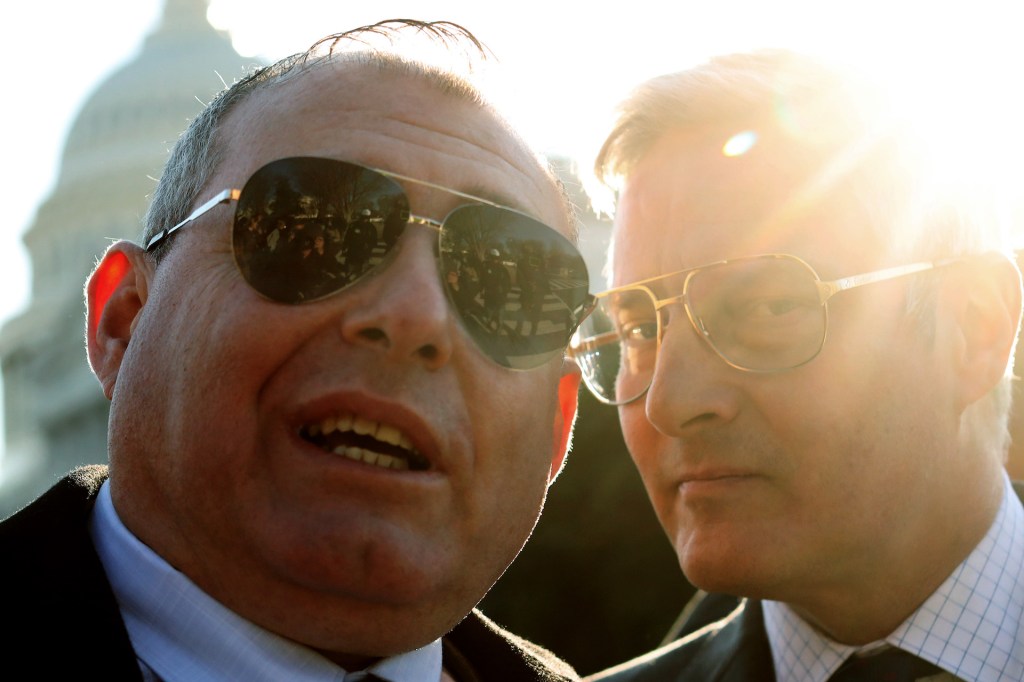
(54, 412)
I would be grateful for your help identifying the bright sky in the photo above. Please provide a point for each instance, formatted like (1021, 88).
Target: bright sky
(570, 60)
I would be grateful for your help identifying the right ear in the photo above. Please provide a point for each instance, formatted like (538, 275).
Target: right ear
(115, 294)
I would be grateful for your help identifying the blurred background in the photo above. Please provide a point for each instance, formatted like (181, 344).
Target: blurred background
(97, 91)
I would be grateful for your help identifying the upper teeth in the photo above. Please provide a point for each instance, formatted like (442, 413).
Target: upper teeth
(385, 433)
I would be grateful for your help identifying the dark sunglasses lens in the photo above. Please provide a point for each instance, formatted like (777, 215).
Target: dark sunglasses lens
(307, 227)
(519, 286)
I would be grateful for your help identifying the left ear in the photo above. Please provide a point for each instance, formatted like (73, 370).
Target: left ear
(568, 398)
(986, 300)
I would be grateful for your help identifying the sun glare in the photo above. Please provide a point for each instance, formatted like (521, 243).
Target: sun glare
(740, 143)
(965, 106)
(975, 147)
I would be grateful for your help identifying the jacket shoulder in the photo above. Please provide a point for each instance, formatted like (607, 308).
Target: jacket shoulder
(670, 662)
(484, 651)
(732, 648)
(55, 592)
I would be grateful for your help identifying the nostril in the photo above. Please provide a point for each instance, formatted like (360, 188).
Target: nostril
(373, 334)
(428, 351)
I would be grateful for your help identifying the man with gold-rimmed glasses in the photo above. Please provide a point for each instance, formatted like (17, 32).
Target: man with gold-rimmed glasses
(810, 345)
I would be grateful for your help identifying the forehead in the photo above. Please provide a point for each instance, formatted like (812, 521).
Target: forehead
(687, 203)
(396, 121)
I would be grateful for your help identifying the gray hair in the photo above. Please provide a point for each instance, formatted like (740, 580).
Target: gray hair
(197, 153)
(840, 129)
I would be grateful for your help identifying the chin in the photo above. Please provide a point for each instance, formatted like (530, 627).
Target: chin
(357, 618)
(722, 567)
(374, 632)
(396, 585)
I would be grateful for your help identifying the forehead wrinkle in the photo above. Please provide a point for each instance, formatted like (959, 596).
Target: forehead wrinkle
(479, 152)
(441, 144)
(494, 139)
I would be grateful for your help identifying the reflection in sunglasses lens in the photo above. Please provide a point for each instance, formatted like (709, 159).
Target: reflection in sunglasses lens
(518, 285)
(306, 228)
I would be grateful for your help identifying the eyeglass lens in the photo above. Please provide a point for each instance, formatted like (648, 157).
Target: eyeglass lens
(307, 227)
(758, 314)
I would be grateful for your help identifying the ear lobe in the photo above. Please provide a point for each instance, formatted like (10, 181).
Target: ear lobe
(565, 417)
(988, 309)
(115, 294)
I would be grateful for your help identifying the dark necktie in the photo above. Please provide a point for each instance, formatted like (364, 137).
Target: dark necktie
(363, 676)
(889, 665)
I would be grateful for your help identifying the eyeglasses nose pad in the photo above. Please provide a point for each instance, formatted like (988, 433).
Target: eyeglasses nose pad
(702, 328)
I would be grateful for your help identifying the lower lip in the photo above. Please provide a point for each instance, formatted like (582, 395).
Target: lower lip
(340, 463)
(714, 486)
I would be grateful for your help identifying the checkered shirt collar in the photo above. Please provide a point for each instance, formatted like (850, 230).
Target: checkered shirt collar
(970, 626)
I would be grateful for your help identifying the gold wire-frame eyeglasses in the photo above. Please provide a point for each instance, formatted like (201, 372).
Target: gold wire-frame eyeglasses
(596, 346)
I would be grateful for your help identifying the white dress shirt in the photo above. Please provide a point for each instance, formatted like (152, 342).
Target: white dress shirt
(180, 633)
(970, 626)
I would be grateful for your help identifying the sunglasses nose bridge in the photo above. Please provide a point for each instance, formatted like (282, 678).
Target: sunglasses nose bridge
(423, 221)
(434, 229)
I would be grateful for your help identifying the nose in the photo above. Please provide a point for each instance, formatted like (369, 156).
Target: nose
(691, 388)
(402, 310)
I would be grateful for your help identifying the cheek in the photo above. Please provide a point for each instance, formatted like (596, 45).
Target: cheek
(850, 428)
(640, 435)
(514, 442)
(207, 357)
(649, 451)
(220, 325)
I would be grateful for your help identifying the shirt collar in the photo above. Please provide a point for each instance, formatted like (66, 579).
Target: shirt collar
(182, 633)
(970, 626)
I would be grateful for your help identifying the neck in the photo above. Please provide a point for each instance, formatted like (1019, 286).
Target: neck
(900, 574)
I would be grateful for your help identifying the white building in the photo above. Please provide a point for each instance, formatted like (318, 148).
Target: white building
(55, 415)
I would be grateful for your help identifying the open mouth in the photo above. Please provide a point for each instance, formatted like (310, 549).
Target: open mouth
(367, 441)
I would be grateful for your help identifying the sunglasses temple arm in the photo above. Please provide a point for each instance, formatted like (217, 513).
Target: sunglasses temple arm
(221, 198)
(586, 308)
(582, 311)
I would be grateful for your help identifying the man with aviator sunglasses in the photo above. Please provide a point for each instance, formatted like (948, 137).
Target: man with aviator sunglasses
(321, 457)
(809, 341)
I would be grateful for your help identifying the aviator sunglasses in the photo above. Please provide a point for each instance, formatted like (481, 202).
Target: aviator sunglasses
(306, 228)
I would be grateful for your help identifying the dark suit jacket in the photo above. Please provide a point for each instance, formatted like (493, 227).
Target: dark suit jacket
(62, 619)
(713, 648)
(734, 649)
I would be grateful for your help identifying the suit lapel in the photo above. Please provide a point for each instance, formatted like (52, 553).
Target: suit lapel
(738, 652)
